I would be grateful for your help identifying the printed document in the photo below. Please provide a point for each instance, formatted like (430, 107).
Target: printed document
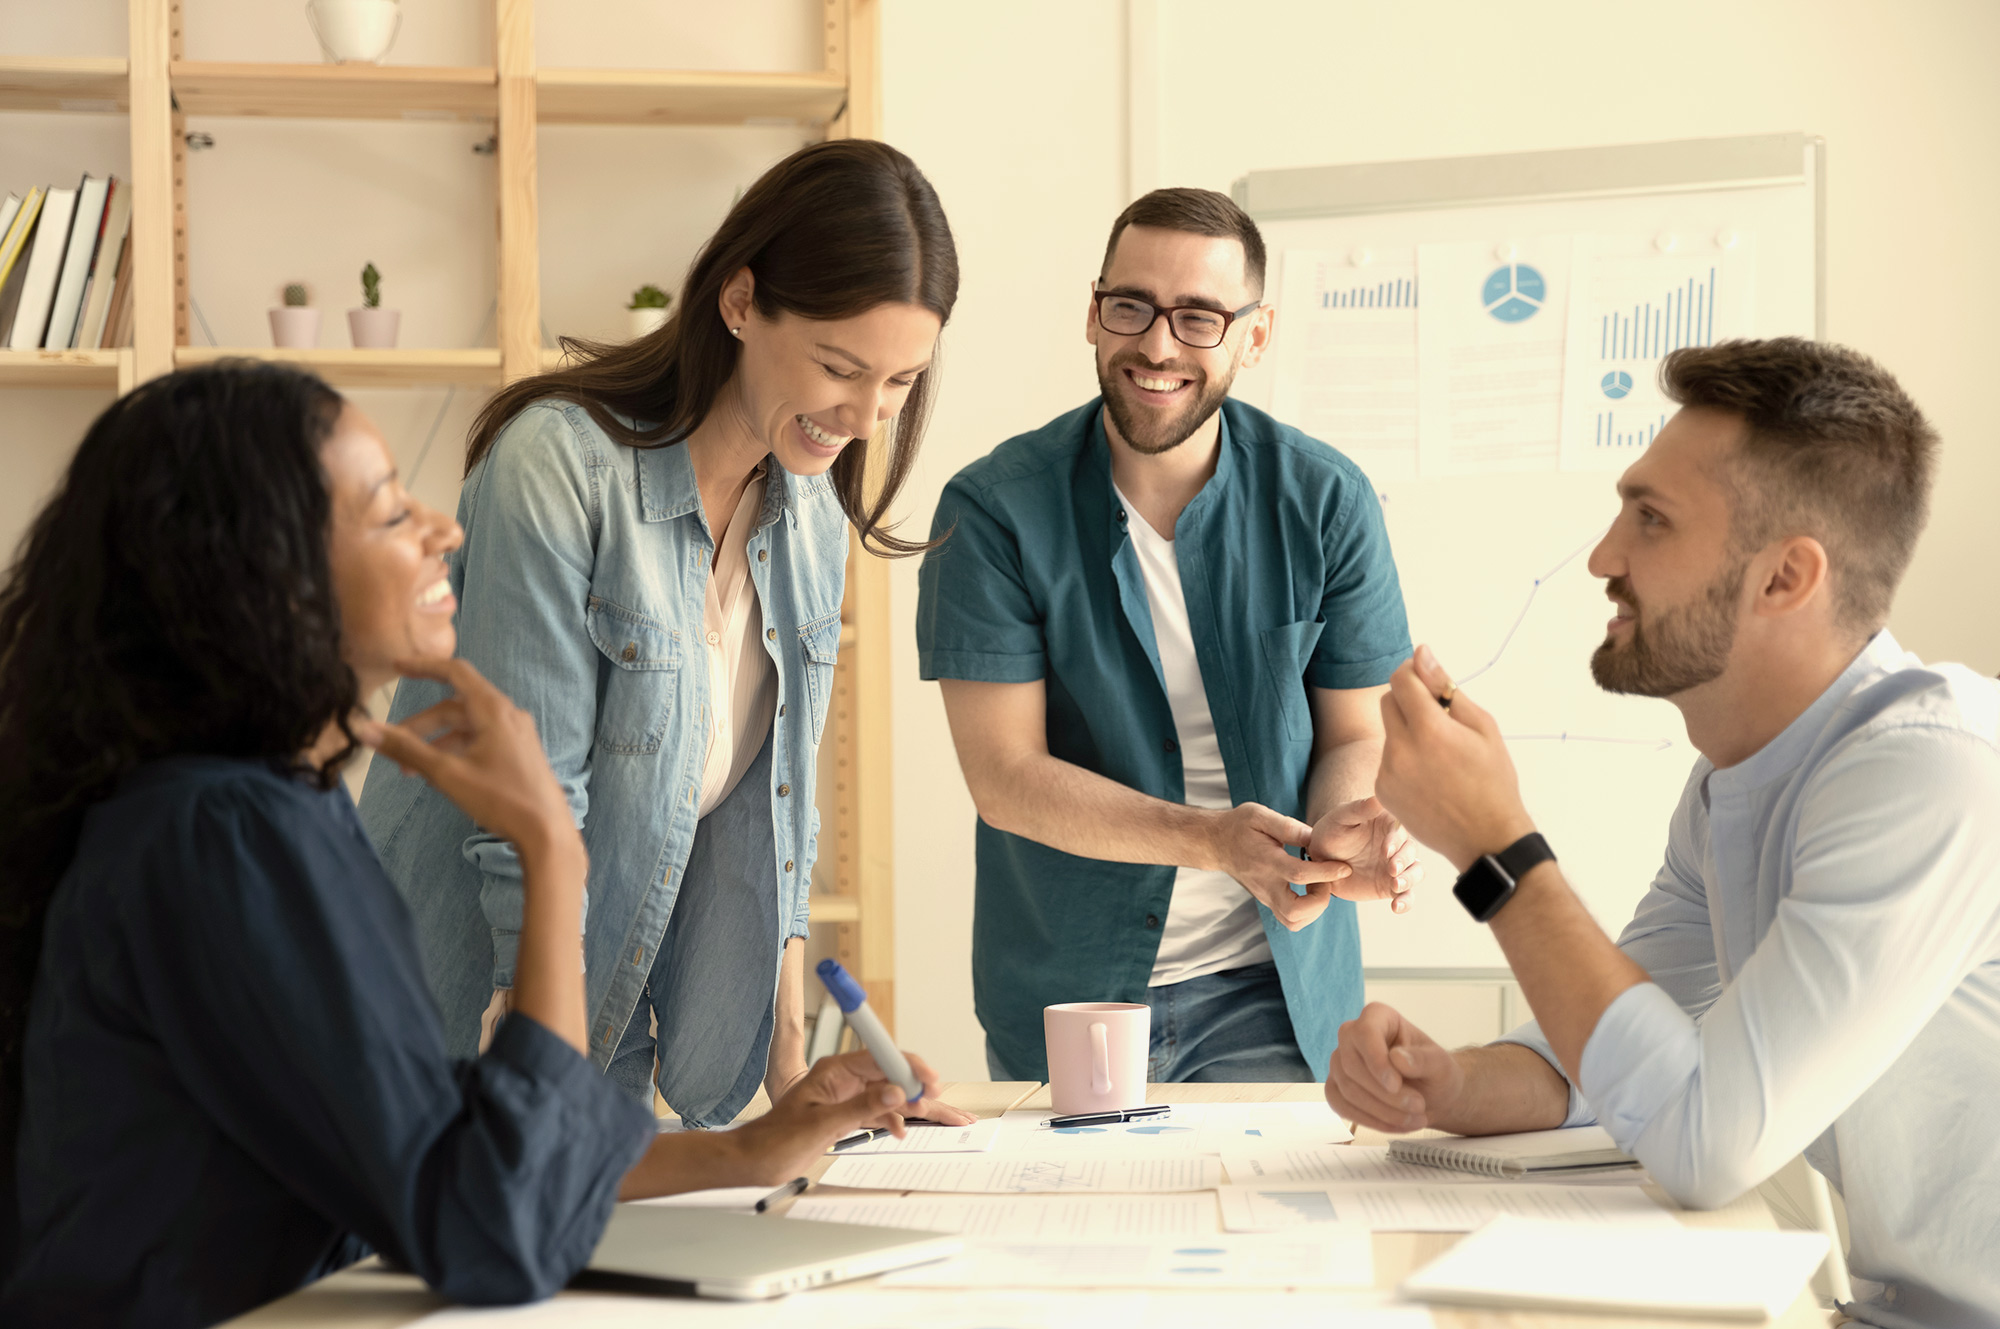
(1192, 1128)
(974, 1139)
(1332, 1257)
(978, 1172)
(1373, 1162)
(1404, 1207)
(1346, 356)
(1026, 1217)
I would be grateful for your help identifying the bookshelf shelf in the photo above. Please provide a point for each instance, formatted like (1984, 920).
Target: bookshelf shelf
(36, 83)
(366, 369)
(686, 97)
(335, 92)
(835, 909)
(65, 369)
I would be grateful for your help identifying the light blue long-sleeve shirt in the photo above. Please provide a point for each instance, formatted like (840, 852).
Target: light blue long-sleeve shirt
(1824, 945)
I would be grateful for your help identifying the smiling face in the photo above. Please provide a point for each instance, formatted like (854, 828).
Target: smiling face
(386, 553)
(806, 388)
(1671, 567)
(1158, 391)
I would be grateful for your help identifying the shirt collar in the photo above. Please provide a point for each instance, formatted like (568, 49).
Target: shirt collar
(1099, 444)
(1782, 755)
(667, 487)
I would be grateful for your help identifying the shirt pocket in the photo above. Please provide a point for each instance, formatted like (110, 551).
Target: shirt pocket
(820, 642)
(636, 700)
(1288, 650)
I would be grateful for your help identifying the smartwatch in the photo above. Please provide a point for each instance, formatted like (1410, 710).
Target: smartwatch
(1489, 883)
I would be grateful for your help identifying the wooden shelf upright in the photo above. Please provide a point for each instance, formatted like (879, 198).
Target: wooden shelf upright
(156, 88)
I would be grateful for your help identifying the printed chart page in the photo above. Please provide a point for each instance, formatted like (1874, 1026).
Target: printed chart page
(1636, 299)
(1345, 356)
(1490, 336)
(979, 1173)
(1192, 1128)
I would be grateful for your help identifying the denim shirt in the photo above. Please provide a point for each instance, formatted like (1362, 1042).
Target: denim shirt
(580, 586)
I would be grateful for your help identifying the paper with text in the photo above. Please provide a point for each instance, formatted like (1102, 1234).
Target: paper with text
(1345, 356)
(1026, 1217)
(1405, 1207)
(1193, 1128)
(1373, 1162)
(981, 1173)
(974, 1139)
(1333, 1257)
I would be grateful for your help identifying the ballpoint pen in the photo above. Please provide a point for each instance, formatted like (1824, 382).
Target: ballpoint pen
(796, 1186)
(861, 1137)
(1105, 1118)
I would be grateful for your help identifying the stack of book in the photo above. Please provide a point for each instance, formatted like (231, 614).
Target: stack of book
(66, 267)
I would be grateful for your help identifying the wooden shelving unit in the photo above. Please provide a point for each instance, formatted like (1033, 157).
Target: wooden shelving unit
(157, 89)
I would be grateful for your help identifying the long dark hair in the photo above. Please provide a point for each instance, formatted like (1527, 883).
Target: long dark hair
(173, 596)
(832, 231)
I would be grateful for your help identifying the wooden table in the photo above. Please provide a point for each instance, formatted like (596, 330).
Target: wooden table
(366, 1297)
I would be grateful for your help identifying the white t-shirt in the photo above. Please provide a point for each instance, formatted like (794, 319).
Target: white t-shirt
(1212, 923)
(742, 681)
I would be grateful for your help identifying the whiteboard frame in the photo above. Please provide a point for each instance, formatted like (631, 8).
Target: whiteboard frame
(1681, 166)
(1676, 167)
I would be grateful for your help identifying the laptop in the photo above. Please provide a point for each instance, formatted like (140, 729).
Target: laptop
(744, 1258)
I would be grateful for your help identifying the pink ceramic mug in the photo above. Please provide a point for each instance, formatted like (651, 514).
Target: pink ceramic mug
(1097, 1054)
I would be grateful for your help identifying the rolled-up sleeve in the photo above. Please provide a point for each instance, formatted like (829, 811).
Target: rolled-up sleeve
(975, 617)
(1367, 633)
(1883, 920)
(287, 993)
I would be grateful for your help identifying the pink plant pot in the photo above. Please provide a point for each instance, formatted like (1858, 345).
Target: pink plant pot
(295, 327)
(373, 329)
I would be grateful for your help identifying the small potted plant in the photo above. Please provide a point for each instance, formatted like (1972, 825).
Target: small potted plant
(355, 31)
(295, 324)
(372, 327)
(648, 309)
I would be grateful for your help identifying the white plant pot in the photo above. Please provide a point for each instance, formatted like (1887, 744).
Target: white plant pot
(645, 321)
(355, 31)
(373, 329)
(295, 327)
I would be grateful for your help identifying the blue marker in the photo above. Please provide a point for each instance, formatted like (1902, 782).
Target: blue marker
(854, 1005)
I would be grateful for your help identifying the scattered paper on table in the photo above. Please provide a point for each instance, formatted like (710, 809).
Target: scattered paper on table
(1192, 1128)
(1332, 1257)
(1346, 357)
(1014, 1175)
(1490, 339)
(1726, 1274)
(1373, 1162)
(1026, 1217)
(974, 1139)
(1404, 1207)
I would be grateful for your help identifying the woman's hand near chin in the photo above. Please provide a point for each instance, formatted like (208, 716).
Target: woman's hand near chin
(481, 751)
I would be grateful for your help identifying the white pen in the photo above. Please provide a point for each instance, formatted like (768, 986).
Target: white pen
(854, 1006)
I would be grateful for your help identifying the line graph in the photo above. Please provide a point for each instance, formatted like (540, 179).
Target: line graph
(1563, 736)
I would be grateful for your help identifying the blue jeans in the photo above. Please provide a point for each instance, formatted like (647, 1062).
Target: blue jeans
(1227, 1026)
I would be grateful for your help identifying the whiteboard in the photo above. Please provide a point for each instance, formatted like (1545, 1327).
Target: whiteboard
(1499, 560)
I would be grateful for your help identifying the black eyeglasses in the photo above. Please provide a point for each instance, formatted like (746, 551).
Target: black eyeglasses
(1192, 325)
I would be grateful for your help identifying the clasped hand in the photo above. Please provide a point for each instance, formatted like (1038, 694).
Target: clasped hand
(1357, 852)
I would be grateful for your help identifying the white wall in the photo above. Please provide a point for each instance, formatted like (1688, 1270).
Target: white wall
(1021, 124)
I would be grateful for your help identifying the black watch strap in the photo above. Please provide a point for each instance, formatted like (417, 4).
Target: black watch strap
(1490, 882)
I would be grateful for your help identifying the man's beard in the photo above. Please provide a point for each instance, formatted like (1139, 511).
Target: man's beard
(1685, 647)
(1154, 435)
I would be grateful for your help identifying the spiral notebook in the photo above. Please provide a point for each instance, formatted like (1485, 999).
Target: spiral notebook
(1559, 1153)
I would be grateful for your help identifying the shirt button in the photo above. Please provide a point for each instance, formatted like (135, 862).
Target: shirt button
(770, 634)
(781, 710)
(788, 865)
(715, 639)
(784, 790)
(630, 653)
(1171, 747)
(763, 555)
(1152, 922)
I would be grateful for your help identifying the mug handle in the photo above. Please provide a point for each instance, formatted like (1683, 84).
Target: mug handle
(1100, 1061)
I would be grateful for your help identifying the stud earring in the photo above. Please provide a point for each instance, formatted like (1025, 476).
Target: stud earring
(736, 333)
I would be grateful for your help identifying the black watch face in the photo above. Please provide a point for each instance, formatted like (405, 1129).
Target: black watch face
(1483, 888)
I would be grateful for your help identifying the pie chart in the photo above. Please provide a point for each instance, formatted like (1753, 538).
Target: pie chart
(1513, 294)
(1616, 384)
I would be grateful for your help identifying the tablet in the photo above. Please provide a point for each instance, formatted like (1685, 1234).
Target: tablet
(746, 1258)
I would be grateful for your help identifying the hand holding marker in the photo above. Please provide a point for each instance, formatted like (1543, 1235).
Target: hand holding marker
(854, 1006)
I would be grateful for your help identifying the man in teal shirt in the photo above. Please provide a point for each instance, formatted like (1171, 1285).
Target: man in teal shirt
(1164, 622)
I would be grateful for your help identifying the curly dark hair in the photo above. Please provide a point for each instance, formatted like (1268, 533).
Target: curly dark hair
(174, 596)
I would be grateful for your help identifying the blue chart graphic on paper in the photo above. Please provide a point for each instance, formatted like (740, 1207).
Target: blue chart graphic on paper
(1309, 1206)
(1079, 1130)
(1160, 1130)
(1514, 293)
(1683, 316)
(1616, 384)
(1610, 435)
(1400, 293)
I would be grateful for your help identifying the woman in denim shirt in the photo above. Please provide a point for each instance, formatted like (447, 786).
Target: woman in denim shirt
(655, 546)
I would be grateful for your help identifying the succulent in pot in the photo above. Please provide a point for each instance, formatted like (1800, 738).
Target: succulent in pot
(371, 326)
(648, 310)
(295, 323)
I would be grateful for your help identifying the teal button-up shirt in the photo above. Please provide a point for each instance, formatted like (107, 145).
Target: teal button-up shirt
(1290, 585)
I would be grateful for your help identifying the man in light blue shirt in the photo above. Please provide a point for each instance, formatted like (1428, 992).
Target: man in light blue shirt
(1816, 967)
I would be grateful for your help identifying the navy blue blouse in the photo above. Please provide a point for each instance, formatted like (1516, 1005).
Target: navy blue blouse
(236, 1079)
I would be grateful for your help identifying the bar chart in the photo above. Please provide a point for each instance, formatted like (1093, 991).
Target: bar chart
(1390, 293)
(1616, 433)
(1682, 316)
